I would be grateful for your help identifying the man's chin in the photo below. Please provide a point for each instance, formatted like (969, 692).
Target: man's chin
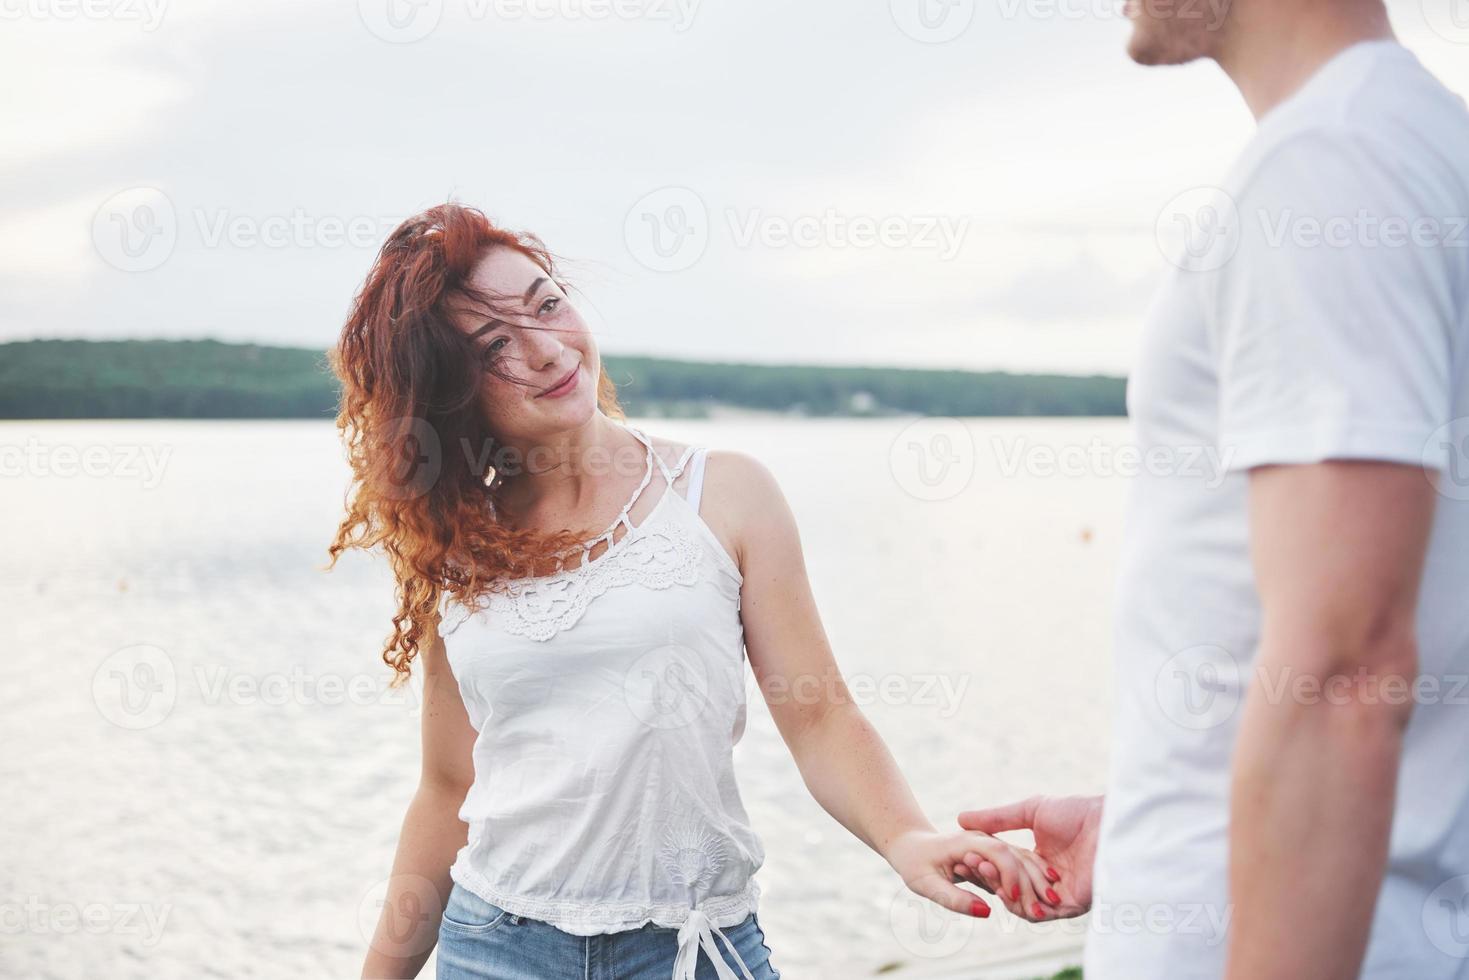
(1151, 51)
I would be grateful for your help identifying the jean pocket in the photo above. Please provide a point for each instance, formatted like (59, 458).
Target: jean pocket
(467, 912)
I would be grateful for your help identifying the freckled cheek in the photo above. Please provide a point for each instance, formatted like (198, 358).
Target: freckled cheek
(501, 399)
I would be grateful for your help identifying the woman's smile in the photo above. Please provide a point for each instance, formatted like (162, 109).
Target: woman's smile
(565, 386)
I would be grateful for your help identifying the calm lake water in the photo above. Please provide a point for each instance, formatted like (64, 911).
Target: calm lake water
(205, 770)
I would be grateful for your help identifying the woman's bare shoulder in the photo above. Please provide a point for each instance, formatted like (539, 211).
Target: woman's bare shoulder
(729, 473)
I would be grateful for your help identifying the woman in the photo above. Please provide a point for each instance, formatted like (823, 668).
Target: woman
(577, 813)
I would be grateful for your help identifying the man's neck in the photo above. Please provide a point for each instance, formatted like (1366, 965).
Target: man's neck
(1272, 49)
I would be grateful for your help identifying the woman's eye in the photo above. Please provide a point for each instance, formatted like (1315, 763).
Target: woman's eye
(550, 304)
(496, 346)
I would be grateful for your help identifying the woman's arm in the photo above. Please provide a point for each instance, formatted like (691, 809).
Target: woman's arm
(844, 762)
(432, 832)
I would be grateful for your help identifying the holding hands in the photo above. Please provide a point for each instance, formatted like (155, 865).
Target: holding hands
(929, 863)
(1065, 829)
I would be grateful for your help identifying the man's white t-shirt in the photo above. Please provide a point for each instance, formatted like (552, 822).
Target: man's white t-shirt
(1320, 311)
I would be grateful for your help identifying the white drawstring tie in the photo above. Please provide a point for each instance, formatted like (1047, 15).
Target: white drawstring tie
(698, 932)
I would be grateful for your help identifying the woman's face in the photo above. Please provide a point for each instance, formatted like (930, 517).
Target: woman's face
(540, 363)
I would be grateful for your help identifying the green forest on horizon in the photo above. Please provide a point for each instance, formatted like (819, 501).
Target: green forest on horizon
(214, 379)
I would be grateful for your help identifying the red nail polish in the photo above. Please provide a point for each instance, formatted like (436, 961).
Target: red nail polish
(1052, 897)
(1052, 875)
(1038, 911)
(979, 910)
(1014, 893)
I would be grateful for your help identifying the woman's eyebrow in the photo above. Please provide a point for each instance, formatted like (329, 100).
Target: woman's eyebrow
(489, 325)
(529, 295)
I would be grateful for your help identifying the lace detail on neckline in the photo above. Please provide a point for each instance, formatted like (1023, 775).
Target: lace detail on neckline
(654, 554)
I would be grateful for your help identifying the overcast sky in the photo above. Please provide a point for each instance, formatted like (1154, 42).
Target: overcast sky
(919, 182)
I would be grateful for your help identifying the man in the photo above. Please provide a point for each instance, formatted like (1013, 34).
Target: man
(1289, 794)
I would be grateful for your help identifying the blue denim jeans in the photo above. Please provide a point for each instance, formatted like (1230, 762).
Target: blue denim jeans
(480, 941)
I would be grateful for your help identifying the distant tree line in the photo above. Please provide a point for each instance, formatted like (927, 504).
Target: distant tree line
(212, 379)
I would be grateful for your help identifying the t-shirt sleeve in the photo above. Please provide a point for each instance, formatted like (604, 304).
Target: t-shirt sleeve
(1336, 316)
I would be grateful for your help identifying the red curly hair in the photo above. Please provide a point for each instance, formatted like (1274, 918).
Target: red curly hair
(411, 419)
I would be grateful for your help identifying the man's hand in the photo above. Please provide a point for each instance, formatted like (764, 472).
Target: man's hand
(1065, 829)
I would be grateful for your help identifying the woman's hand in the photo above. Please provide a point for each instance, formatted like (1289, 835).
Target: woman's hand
(926, 860)
(1065, 829)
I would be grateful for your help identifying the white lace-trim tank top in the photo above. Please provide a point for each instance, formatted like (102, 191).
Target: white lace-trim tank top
(608, 699)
